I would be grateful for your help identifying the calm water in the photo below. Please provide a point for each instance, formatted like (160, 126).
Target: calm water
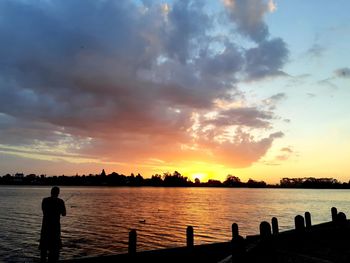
(99, 218)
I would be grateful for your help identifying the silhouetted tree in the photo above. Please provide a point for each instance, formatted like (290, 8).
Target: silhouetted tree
(255, 184)
(232, 180)
(197, 181)
(213, 183)
(156, 180)
(310, 182)
(116, 179)
(175, 179)
(139, 179)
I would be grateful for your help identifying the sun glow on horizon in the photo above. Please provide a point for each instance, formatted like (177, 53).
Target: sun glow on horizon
(201, 176)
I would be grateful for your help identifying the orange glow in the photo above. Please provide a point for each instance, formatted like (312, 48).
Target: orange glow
(201, 176)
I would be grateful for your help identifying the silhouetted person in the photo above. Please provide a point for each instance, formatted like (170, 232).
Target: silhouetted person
(50, 238)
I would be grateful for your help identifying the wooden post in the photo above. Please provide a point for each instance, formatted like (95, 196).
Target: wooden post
(307, 220)
(266, 241)
(265, 230)
(341, 219)
(235, 232)
(274, 223)
(189, 237)
(341, 216)
(299, 224)
(132, 242)
(237, 245)
(334, 214)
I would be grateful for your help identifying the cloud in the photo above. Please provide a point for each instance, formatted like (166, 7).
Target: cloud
(295, 81)
(223, 64)
(250, 117)
(268, 56)
(186, 22)
(122, 80)
(285, 154)
(287, 150)
(244, 150)
(272, 101)
(266, 59)
(342, 72)
(12, 163)
(249, 17)
(14, 132)
(272, 6)
(316, 51)
(328, 83)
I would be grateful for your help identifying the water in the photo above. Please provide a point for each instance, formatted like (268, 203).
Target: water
(99, 218)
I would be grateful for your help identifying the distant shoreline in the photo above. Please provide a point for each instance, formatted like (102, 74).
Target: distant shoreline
(190, 186)
(166, 180)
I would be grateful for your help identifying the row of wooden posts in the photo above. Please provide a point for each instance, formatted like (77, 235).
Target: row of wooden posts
(301, 224)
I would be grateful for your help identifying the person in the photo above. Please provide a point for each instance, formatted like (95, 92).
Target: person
(50, 237)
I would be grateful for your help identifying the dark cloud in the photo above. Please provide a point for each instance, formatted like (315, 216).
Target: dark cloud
(17, 132)
(316, 51)
(118, 80)
(278, 97)
(250, 117)
(188, 24)
(269, 55)
(223, 64)
(249, 17)
(266, 59)
(342, 72)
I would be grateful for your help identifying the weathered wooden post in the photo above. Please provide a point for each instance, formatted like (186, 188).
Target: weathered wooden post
(265, 230)
(341, 216)
(307, 220)
(274, 223)
(299, 224)
(238, 245)
(266, 245)
(189, 237)
(334, 212)
(235, 231)
(132, 242)
(341, 219)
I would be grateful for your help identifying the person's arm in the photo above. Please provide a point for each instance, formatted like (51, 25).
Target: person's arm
(43, 206)
(63, 212)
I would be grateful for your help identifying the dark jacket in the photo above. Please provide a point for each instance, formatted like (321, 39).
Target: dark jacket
(53, 208)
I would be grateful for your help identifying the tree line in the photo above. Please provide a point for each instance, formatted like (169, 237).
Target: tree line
(167, 179)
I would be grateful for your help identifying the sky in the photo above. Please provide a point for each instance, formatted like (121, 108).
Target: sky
(253, 88)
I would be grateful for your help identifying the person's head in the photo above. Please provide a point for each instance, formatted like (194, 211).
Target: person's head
(55, 191)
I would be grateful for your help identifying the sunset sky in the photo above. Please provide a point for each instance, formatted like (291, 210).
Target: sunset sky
(254, 88)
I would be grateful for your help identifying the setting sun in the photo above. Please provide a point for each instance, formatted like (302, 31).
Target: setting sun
(201, 176)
